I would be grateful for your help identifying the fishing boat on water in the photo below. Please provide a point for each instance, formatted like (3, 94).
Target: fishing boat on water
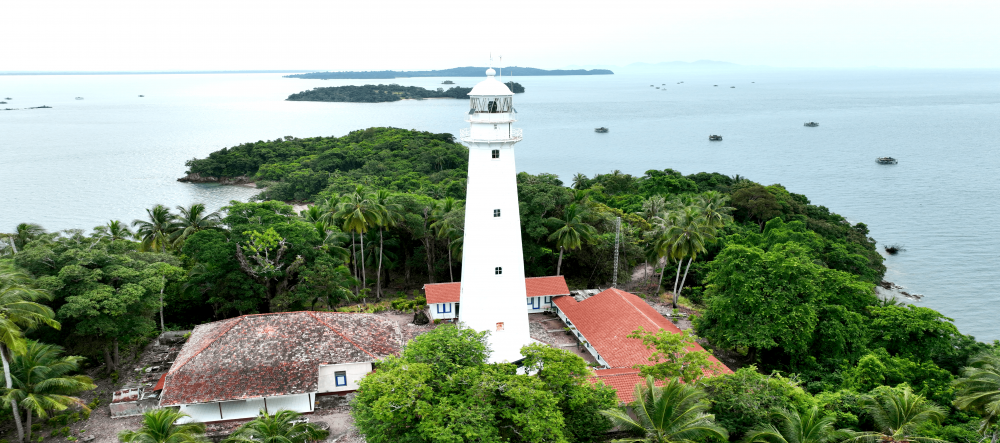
(715, 138)
(140, 95)
(811, 124)
(601, 130)
(886, 161)
(447, 82)
(79, 98)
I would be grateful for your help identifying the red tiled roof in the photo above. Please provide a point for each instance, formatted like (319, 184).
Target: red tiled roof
(606, 319)
(623, 381)
(273, 354)
(534, 287)
(159, 383)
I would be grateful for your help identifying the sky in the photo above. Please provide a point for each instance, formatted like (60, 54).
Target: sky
(151, 35)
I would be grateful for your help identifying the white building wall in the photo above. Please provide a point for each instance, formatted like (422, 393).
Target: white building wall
(355, 372)
(434, 310)
(489, 300)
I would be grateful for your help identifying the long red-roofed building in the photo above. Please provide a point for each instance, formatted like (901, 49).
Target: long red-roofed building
(604, 321)
(443, 299)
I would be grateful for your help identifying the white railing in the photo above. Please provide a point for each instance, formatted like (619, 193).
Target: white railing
(482, 117)
(516, 134)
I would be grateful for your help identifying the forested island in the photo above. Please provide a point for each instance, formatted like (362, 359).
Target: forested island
(468, 71)
(781, 289)
(384, 93)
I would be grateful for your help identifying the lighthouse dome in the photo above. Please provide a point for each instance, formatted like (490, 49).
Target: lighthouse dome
(490, 86)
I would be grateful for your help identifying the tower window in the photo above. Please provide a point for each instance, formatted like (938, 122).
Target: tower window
(496, 212)
(496, 153)
(497, 270)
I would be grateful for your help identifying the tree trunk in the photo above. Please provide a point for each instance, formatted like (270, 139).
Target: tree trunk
(14, 247)
(428, 248)
(118, 360)
(162, 284)
(406, 266)
(678, 277)
(109, 364)
(663, 270)
(364, 281)
(378, 281)
(559, 263)
(27, 428)
(354, 262)
(686, 268)
(451, 272)
(10, 384)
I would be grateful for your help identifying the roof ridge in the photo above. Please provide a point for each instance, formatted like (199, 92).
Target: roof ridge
(636, 307)
(210, 343)
(335, 331)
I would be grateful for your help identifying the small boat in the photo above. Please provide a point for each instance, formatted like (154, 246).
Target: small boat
(140, 95)
(811, 124)
(447, 82)
(601, 130)
(732, 87)
(886, 161)
(715, 138)
(657, 87)
(8, 98)
(3, 103)
(715, 85)
(79, 98)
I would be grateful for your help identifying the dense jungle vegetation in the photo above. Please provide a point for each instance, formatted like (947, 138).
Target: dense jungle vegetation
(782, 286)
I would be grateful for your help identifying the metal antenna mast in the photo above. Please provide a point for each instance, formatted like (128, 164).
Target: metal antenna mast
(618, 234)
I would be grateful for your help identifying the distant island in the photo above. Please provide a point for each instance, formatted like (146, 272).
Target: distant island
(468, 71)
(384, 93)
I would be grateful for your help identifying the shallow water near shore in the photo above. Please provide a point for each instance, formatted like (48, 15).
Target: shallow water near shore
(113, 154)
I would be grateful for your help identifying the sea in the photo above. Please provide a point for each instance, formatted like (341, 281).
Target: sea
(121, 146)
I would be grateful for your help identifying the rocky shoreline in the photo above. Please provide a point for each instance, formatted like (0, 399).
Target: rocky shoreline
(198, 178)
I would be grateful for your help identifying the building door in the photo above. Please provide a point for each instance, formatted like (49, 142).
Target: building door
(536, 302)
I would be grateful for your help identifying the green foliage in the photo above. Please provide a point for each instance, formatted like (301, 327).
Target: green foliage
(376, 93)
(281, 427)
(401, 303)
(159, 426)
(442, 389)
(673, 413)
(781, 300)
(979, 391)
(898, 414)
(809, 427)
(671, 356)
(745, 399)
(878, 368)
(385, 158)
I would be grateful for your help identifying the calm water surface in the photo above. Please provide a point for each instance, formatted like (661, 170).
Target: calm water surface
(113, 154)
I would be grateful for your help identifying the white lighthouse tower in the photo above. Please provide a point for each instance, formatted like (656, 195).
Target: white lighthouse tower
(493, 292)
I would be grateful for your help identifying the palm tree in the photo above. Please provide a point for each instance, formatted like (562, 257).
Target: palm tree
(282, 427)
(674, 413)
(114, 230)
(713, 208)
(571, 231)
(194, 219)
(19, 310)
(41, 383)
(579, 181)
(160, 426)
(813, 427)
(687, 235)
(979, 391)
(391, 214)
(898, 415)
(359, 214)
(155, 233)
(23, 234)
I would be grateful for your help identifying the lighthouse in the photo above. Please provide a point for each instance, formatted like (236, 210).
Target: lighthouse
(493, 289)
